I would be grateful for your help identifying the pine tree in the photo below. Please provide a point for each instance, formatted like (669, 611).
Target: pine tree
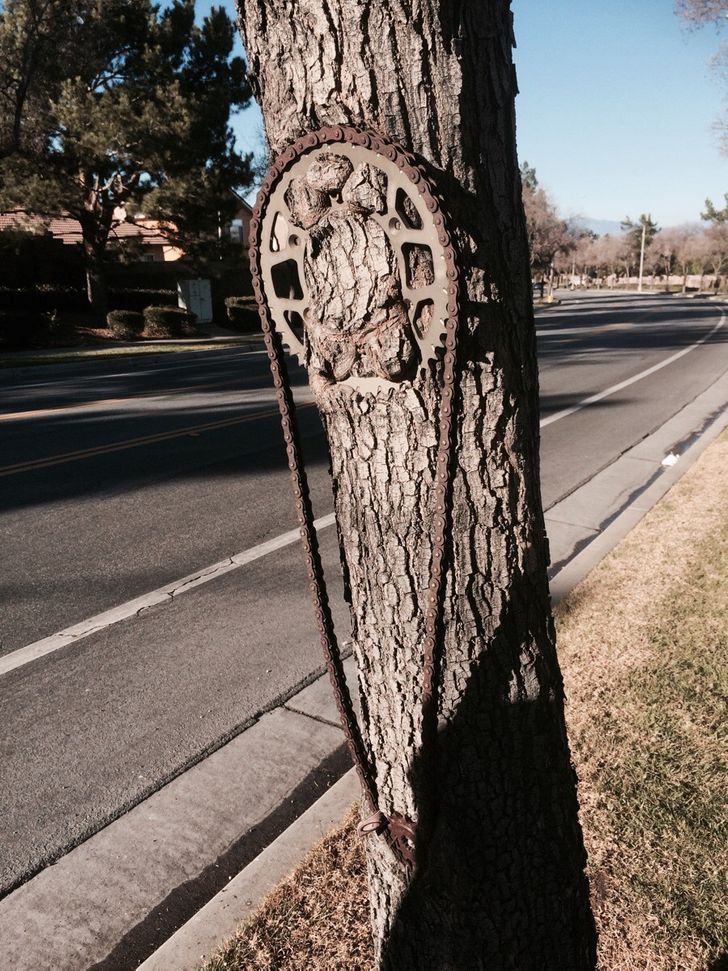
(633, 234)
(131, 111)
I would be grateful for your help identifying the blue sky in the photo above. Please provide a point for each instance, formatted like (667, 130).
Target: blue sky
(615, 109)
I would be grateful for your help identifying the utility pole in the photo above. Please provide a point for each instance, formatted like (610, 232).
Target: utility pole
(642, 250)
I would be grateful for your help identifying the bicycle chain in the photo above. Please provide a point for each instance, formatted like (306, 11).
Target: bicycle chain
(400, 832)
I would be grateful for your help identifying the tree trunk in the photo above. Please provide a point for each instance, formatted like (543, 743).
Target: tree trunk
(96, 291)
(95, 218)
(503, 884)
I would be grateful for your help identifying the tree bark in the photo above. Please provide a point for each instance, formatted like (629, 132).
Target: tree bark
(96, 291)
(502, 884)
(96, 218)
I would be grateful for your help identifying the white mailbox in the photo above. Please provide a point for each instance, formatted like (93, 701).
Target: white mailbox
(196, 296)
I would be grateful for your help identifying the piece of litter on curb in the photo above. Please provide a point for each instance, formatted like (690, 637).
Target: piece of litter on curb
(670, 459)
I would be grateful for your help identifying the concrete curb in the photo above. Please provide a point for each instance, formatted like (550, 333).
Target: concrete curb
(199, 938)
(163, 860)
(583, 563)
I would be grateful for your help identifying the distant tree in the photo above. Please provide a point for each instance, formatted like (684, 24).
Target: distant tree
(716, 247)
(633, 235)
(576, 259)
(609, 253)
(528, 176)
(700, 255)
(677, 247)
(688, 250)
(134, 114)
(585, 254)
(703, 11)
(714, 215)
(548, 233)
(699, 13)
(661, 254)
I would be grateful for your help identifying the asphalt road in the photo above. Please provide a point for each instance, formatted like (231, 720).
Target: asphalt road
(119, 477)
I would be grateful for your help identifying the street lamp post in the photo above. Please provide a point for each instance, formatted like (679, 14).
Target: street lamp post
(642, 253)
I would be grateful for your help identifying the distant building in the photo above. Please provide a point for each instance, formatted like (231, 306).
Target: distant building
(239, 228)
(154, 246)
(148, 234)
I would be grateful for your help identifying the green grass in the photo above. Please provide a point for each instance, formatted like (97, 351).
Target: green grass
(660, 742)
(644, 648)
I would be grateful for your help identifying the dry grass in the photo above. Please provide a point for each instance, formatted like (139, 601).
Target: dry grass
(316, 920)
(643, 644)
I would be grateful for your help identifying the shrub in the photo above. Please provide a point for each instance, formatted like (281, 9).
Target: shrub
(242, 313)
(61, 330)
(138, 298)
(43, 298)
(161, 322)
(126, 325)
(20, 329)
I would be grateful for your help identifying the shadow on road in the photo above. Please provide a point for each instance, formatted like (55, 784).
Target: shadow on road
(248, 446)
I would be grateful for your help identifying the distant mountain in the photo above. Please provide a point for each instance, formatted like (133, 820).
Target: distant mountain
(599, 226)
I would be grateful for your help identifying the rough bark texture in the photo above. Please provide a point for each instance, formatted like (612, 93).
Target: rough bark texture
(502, 885)
(95, 229)
(96, 292)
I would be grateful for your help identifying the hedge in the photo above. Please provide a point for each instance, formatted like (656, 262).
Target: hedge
(242, 313)
(161, 322)
(20, 330)
(126, 325)
(65, 299)
(138, 299)
(42, 299)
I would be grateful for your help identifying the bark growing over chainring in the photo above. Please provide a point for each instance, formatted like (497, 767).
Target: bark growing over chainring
(503, 886)
(374, 317)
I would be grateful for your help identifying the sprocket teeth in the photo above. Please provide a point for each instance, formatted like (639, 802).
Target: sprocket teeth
(408, 174)
(439, 359)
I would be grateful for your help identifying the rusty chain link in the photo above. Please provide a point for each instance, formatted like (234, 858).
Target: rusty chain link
(401, 833)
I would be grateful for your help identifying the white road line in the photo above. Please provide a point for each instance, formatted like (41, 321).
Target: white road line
(133, 608)
(592, 399)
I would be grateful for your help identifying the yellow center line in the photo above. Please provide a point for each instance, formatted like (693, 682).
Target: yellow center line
(75, 456)
(103, 402)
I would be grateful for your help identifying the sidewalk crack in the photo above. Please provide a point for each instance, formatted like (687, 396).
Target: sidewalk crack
(315, 718)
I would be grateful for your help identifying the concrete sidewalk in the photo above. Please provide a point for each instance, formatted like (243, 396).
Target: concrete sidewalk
(111, 901)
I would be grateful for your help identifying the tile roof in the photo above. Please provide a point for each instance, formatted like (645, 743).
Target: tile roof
(68, 230)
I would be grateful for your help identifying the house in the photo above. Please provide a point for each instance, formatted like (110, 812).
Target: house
(154, 246)
(147, 234)
(239, 228)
